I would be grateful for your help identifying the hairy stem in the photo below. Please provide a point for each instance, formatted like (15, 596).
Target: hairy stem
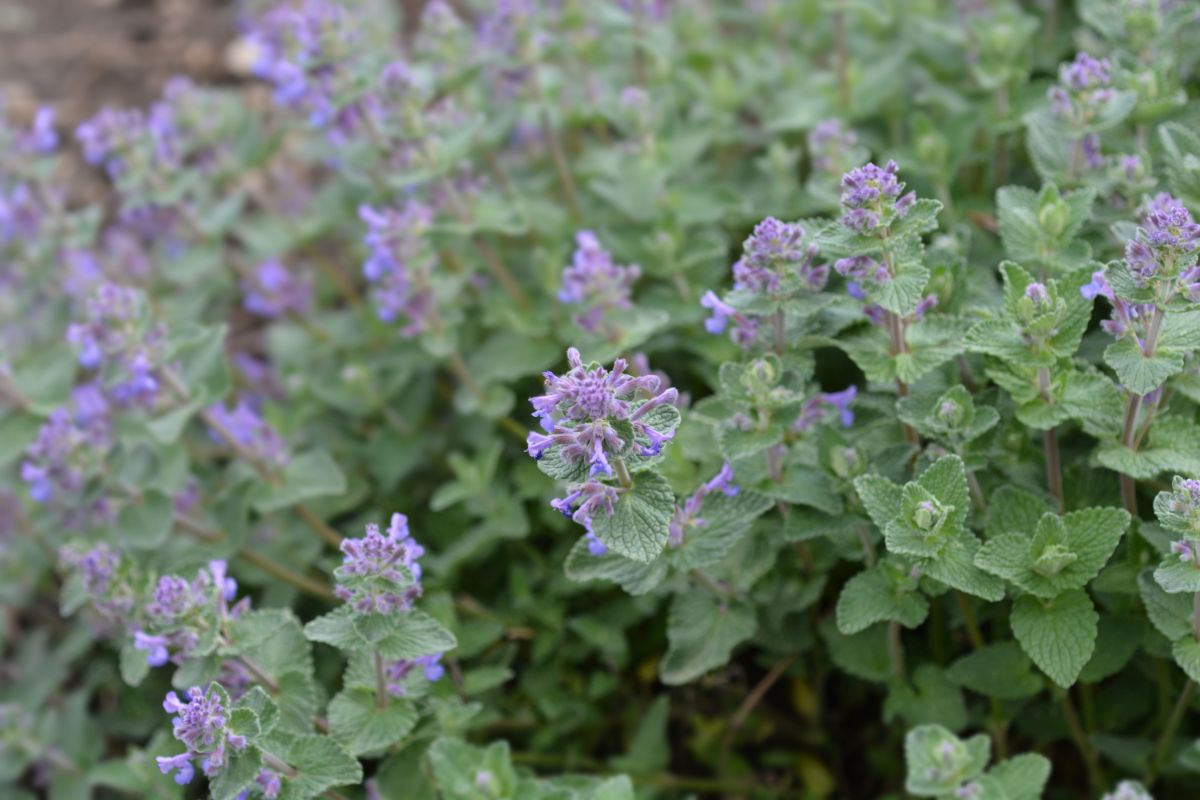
(896, 651)
(1053, 466)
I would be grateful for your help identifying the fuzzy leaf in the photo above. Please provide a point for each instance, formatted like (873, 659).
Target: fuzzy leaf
(998, 670)
(876, 595)
(635, 577)
(1022, 777)
(702, 632)
(927, 775)
(357, 721)
(1059, 634)
(637, 528)
(313, 474)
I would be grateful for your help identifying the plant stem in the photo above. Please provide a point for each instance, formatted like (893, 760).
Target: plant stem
(463, 373)
(896, 651)
(753, 699)
(1053, 466)
(381, 693)
(623, 476)
(1168, 734)
(968, 613)
(1090, 760)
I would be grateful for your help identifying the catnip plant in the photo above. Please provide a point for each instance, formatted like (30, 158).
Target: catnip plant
(762, 385)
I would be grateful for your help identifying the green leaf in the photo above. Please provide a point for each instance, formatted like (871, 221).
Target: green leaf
(1137, 372)
(1000, 670)
(416, 634)
(1120, 637)
(737, 444)
(335, 628)
(806, 487)
(1012, 509)
(863, 655)
(931, 699)
(955, 567)
(637, 528)
(937, 761)
(359, 723)
(1176, 575)
(1171, 614)
(320, 764)
(1059, 634)
(726, 520)
(1186, 652)
(133, 664)
(146, 522)
(1022, 777)
(881, 593)
(313, 474)
(702, 632)
(239, 772)
(649, 750)
(901, 294)
(880, 498)
(635, 577)
(457, 765)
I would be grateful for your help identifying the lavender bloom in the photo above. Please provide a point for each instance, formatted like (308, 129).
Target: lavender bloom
(1129, 790)
(272, 291)
(594, 545)
(99, 570)
(1098, 287)
(118, 336)
(584, 501)
(813, 410)
(69, 444)
(41, 138)
(745, 330)
(688, 516)
(579, 407)
(179, 612)
(269, 784)
(829, 145)
(108, 137)
(399, 672)
(201, 725)
(244, 429)
(593, 281)
(1037, 294)
(381, 574)
(400, 265)
(871, 198)
(20, 214)
(1083, 88)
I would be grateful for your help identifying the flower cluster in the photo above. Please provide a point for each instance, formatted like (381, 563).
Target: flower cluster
(593, 282)
(813, 410)
(201, 724)
(118, 336)
(775, 262)
(1166, 245)
(1129, 790)
(580, 411)
(1084, 86)
(830, 146)
(688, 516)
(180, 613)
(271, 290)
(400, 264)
(399, 673)
(101, 573)
(380, 573)
(243, 428)
(872, 200)
(69, 446)
(303, 50)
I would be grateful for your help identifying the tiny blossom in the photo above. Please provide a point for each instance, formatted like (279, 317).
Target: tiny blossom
(1036, 292)
(380, 573)
(72, 441)
(579, 408)
(639, 364)
(1167, 234)
(180, 611)
(1186, 551)
(272, 291)
(399, 672)
(688, 516)
(813, 409)
(400, 264)
(269, 783)
(98, 570)
(1083, 87)
(594, 282)
(584, 501)
(200, 724)
(871, 198)
(745, 330)
(1129, 790)
(829, 144)
(594, 545)
(244, 427)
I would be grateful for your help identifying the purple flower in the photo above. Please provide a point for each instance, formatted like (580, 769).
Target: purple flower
(400, 264)
(272, 291)
(399, 672)
(200, 724)
(1097, 287)
(594, 545)
(41, 137)
(594, 282)
(1082, 89)
(71, 443)
(584, 501)
(687, 515)
(380, 573)
(243, 427)
(1132, 167)
(1086, 72)
(1037, 294)
(829, 145)
(745, 330)
(155, 646)
(813, 410)
(871, 198)
(1185, 549)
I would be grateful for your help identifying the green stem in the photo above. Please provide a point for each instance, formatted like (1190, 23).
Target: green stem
(623, 476)
(1090, 760)
(1168, 734)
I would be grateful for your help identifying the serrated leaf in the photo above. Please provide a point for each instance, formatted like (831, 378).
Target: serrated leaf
(931, 699)
(1022, 777)
(726, 520)
(320, 764)
(416, 634)
(1176, 575)
(702, 633)
(313, 474)
(358, 721)
(876, 595)
(635, 577)
(880, 498)
(1137, 372)
(239, 772)
(146, 522)
(1000, 670)
(1059, 634)
(637, 528)
(1171, 614)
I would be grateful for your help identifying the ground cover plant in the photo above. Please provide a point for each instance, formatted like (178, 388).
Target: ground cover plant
(613, 399)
